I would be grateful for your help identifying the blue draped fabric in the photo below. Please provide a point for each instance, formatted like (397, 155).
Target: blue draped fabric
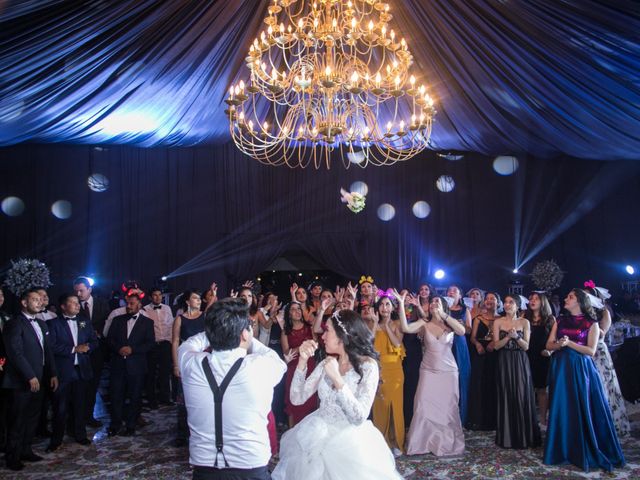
(548, 77)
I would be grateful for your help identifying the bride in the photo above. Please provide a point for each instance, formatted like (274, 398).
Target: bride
(337, 441)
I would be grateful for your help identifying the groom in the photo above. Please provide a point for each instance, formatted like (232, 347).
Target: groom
(235, 381)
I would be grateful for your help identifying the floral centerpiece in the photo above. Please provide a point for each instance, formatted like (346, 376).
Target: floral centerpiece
(26, 273)
(547, 275)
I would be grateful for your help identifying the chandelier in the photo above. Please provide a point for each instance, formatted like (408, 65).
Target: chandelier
(329, 80)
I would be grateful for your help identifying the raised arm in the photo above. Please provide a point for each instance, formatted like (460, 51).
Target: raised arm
(303, 388)
(414, 327)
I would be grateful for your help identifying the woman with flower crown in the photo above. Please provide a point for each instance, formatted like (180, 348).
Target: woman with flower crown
(337, 441)
(580, 428)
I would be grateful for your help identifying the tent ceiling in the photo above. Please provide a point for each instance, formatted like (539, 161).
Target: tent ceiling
(545, 78)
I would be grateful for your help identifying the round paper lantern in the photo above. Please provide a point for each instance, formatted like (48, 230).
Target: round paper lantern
(421, 209)
(386, 212)
(61, 209)
(12, 206)
(505, 165)
(445, 183)
(360, 187)
(98, 182)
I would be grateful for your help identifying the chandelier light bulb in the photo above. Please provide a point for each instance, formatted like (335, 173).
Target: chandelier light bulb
(342, 80)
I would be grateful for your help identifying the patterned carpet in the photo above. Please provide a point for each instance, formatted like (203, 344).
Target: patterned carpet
(151, 455)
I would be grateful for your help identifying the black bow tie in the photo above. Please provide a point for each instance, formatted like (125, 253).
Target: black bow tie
(33, 319)
(71, 318)
(133, 317)
(157, 307)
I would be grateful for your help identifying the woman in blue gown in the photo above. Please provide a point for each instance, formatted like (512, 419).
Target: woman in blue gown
(460, 348)
(581, 429)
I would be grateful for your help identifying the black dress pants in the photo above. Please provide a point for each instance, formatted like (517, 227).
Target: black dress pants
(69, 398)
(24, 412)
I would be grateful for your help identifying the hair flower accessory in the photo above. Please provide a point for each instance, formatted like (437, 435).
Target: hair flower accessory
(355, 201)
(590, 284)
(386, 293)
(364, 279)
(336, 319)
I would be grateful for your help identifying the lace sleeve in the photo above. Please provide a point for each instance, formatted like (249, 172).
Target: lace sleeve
(357, 405)
(301, 389)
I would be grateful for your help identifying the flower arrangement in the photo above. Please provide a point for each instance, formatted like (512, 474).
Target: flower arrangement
(546, 275)
(355, 201)
(26, 273)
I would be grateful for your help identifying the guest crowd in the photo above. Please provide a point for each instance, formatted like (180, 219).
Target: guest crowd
(478, 361)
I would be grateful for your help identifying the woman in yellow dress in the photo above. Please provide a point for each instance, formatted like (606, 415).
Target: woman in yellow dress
(388, 415)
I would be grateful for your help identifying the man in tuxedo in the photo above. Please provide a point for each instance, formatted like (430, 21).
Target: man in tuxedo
(130, 338)
(29, 360)
(96, 311)
(72, 339)
(159, 358)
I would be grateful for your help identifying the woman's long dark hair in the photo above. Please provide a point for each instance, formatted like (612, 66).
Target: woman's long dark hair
(184, 301)
(546, 315)
(253, 308)
(288, 323)
(445, 305)
(585, 304)
(356, 338)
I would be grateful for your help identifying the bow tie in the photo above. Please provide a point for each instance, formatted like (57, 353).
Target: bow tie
(157, 307)
(34, 319)
(133, 317)
(71, 318)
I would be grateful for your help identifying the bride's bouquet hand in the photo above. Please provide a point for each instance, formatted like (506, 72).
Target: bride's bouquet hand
(306, 350)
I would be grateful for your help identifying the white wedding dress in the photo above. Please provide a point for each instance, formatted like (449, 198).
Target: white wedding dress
(336, 442)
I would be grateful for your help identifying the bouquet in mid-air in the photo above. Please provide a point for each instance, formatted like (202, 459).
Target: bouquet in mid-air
(355, 201)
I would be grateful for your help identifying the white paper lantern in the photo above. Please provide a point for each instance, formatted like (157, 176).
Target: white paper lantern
(445, 183)
(386, 212)
(421, 209)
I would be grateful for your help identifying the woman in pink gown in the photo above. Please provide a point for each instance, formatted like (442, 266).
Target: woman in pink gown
(436, 427)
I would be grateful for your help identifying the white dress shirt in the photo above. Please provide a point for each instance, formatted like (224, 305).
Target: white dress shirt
(114, 313)
(38, 330)
(46, 315)
(73, 326)
(245, 406)
(131, 323)
(162, 321)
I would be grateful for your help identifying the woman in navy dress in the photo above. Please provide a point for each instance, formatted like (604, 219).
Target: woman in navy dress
(460, 348)
(581, 429)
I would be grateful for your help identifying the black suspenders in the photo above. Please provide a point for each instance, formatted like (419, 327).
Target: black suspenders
(218, 393)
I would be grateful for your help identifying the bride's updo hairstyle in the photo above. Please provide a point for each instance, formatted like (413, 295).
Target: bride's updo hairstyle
(356, 338)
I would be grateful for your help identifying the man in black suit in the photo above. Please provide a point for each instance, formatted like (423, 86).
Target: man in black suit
(130, 338)
(97, 311)
(29, 360)
(72, 340)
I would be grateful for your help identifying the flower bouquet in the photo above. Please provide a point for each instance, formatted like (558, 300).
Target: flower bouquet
(26, 273)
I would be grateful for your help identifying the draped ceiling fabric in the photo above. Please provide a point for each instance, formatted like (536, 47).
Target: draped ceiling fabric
(547, 78)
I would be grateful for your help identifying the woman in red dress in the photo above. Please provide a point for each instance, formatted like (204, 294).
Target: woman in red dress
(294, 333)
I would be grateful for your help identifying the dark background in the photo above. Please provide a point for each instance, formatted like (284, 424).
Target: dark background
(214, 215)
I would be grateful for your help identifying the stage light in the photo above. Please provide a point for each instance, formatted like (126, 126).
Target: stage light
(360, 187)
(91, 281)
(164, 278)
(300, 274)
(445, 183)
(515, 270)
(61, 209)
(12, 206)
(505, 165)
(630, 270)
(439, 275)
(421, 209)
(386, 212)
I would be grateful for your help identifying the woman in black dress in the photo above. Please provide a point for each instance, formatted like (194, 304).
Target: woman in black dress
(482, 389)
(517, 421)
(541, 320)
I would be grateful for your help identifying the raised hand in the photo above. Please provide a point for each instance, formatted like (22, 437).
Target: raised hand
(412, 300)
(214, 289)
(307, 349)
(352, 290)
(293, 290)
(327, 303)
(233, 294)
(248, 284)
(399, 296)
(339, 293)
(292, 355)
